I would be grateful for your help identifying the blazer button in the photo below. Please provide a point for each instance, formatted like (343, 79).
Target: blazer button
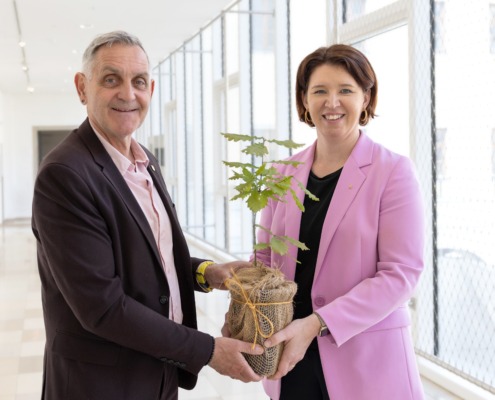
(320, 301)
(163, 299)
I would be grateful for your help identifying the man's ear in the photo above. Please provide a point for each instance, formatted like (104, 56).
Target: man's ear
(152, 87)
(80, 82)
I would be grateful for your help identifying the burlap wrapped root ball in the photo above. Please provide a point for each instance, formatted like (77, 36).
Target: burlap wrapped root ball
(261, 305)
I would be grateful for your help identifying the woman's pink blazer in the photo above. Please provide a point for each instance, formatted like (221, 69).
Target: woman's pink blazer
(369, 262)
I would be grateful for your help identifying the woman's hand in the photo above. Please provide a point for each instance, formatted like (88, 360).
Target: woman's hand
(297, 336)
(225, 328)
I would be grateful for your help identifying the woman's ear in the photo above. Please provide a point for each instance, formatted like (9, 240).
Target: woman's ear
(304, 100)
(367, 98)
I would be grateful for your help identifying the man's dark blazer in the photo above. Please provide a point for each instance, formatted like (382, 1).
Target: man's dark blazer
(104, 291)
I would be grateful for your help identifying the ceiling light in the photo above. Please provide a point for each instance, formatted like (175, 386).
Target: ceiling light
(30, 89)
(24, 67)
(22, 43)
(86, 26)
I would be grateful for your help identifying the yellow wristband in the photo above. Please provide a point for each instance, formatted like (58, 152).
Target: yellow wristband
(200, 276)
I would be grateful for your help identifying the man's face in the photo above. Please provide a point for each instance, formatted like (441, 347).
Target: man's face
(118, 91)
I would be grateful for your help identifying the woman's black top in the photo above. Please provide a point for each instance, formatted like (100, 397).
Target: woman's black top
(310, 234)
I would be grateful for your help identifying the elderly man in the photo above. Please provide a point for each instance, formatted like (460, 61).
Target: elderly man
(117, 278)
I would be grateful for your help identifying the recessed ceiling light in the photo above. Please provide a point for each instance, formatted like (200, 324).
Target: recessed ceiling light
(30, 89)
(22, 43)
(86, 26)
(24, 67)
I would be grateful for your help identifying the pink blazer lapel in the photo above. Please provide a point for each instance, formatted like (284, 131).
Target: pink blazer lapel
(348, 186)
(292, 212)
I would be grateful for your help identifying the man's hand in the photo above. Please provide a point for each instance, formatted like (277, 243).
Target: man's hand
(297, 336)
(217, 274)
(228, 360)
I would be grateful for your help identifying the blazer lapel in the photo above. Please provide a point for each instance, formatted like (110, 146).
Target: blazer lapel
(293, 214)
(114, 177)
(348, 186)
(154, 171)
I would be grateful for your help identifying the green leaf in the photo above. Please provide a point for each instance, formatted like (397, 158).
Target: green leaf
(308, 193)
(296, 200)
(290, 144)
(235, 164)
(245, 188)
(286, 162)
(261, 171)
(235, 137)
(263, 228)
(239, 196)
(256, 201)
(261, 246)
(256, 149)
(296, 243)
(279, 246)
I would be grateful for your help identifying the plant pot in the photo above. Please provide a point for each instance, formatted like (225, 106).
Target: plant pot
(261, 305)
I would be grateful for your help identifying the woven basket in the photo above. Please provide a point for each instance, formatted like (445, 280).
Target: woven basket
(261, 304)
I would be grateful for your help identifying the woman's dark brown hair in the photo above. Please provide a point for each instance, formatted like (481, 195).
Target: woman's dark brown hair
(347, 57)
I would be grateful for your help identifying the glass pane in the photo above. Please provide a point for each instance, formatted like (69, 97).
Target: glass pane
(355, 8)
(239, 219)
(391, 126)
(263, 74)
(231, 38)
(194, 139)
(465, 189)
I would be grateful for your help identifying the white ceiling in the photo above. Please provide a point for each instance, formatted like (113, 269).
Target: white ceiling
(55, 40)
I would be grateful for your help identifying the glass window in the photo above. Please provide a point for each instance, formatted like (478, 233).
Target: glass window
(232, 41)
(465, 195)
(391, 126)
(263, 20)
(439, 27)
(492, 28)
(355, 8)
(493, 155)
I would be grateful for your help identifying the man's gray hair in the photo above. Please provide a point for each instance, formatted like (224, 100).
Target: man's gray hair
(108, 39)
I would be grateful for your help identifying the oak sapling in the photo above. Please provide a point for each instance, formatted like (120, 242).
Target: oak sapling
(265, 291)
(260, 182)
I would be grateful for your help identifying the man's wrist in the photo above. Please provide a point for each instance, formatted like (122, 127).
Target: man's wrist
(200, 276)
(212, 351)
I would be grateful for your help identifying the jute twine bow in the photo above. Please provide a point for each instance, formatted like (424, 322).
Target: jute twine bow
(233, 284)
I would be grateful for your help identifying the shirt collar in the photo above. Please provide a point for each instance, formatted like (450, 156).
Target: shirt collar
(122, 163)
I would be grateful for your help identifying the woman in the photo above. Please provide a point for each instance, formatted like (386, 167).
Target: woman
(349, 339)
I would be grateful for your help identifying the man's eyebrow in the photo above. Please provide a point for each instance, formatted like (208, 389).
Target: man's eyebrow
(113, 70)
(110, 69)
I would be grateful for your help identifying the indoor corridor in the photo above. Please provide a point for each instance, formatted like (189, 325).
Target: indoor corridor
(22, 334)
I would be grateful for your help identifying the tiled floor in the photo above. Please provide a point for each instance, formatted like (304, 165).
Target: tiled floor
(22, 333)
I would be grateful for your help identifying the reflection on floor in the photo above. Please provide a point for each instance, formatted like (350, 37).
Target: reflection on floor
(22, 334)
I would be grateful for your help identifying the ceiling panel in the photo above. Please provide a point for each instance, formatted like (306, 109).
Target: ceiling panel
(55, 40)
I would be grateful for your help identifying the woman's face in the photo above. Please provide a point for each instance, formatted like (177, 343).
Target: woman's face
(335, 102)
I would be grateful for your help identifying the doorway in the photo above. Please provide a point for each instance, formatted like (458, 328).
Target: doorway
(48, 139)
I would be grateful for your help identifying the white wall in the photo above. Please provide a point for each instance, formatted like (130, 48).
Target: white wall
(2, 135)
(19, 115)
